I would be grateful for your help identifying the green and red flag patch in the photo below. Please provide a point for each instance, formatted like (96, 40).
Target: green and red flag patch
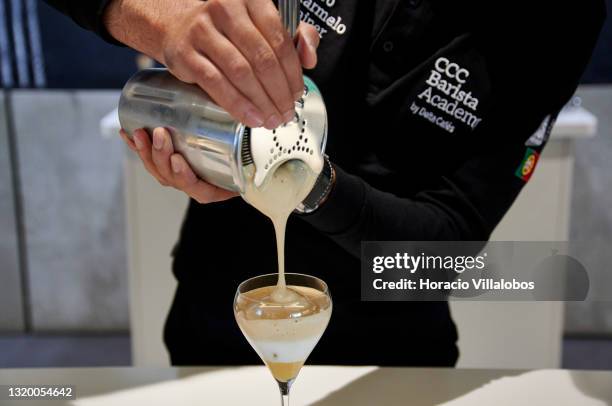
(525, 170)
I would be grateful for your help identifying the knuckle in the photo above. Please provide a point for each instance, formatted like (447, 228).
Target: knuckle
(270, 17)
(208, 76)
(214, 5)
(265, 61)
(184, 45)
(278, 41)
(170, 58)
(239, 70)
(219, 10)
(200, 26)
(177, 56)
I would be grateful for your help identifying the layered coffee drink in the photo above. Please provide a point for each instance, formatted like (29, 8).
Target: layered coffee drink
(283, 335)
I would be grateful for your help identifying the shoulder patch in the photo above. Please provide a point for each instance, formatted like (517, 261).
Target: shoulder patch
(528, 165)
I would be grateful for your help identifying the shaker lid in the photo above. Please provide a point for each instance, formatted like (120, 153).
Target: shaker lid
(303, 138)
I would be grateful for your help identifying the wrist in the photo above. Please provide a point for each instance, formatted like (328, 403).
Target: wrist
(321, 190)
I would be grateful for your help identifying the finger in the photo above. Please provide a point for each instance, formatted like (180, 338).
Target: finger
(266, 20)
(162, 150)
(308, 42)
(186, 180)
(213, 81)
(224, 54)
(143, 146)
(127, 140)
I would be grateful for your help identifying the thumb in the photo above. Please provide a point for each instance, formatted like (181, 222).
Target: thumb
(307, 44)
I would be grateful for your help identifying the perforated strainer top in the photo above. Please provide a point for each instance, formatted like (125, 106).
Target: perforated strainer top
(304, 138)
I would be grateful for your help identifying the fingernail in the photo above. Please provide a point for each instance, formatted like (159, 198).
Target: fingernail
(289, 115)
(138, 141)
(158, 140)
(177, 165)
(253, 119)
(273, 121)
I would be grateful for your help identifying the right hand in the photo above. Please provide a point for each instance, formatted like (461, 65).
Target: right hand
(236, 50)
(241, 55)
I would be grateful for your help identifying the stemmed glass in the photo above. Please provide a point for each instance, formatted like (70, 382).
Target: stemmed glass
(283, 334)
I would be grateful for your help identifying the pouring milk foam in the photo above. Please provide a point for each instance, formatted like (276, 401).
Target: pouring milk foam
(283, 189)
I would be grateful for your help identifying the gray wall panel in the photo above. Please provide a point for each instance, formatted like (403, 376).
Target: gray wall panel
(591, 225)
(11, 308)
(73, 209)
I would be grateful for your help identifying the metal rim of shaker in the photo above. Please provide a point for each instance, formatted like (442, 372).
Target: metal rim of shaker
(236, 158)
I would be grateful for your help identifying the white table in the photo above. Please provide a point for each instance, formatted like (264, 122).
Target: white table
(320, 386)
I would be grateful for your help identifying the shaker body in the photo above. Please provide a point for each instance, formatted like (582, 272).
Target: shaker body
(205, 134)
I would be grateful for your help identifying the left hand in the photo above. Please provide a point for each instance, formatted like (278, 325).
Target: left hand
(170, 168)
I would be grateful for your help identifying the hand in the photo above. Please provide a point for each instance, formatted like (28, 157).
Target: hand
(236, 50)
(170, 168)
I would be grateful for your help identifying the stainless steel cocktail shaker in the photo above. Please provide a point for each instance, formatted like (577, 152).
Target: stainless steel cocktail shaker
(215, 145)
(207, 136)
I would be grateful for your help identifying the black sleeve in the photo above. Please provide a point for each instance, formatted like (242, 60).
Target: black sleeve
(532, 74)
(466, 206)
(86, 13)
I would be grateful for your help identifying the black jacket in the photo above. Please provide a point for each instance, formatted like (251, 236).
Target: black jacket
(438, 113)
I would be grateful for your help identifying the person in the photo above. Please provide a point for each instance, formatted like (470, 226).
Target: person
(438, 112)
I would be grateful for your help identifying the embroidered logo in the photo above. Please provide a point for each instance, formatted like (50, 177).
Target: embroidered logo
(445, 101)
(525, 170)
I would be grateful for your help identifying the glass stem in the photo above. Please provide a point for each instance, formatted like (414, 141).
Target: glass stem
(284, 390)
